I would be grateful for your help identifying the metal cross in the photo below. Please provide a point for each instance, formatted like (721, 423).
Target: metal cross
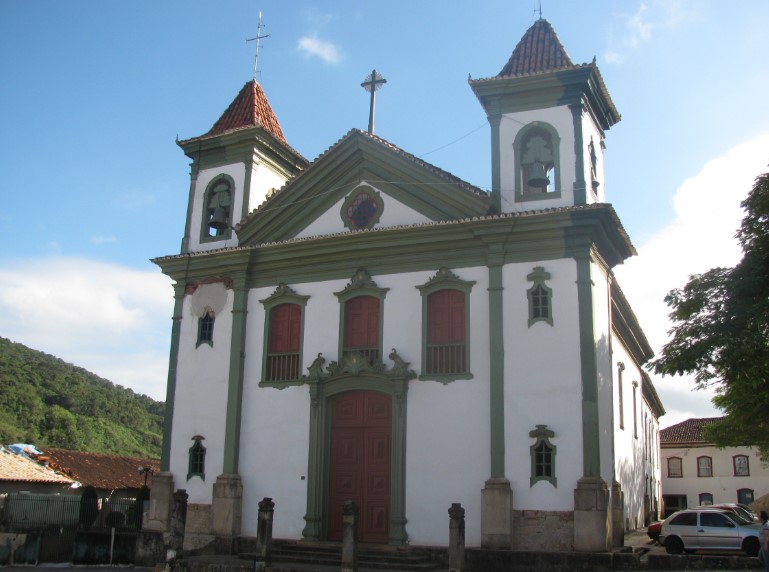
(257, 38)
(371, 84)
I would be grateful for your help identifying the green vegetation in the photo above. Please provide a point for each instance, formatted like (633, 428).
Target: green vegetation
(721, 332)
(47, 402)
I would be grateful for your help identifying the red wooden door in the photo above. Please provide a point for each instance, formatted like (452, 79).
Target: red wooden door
(361, 435)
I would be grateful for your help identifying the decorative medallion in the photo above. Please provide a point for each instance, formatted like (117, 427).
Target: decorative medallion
(362, 208)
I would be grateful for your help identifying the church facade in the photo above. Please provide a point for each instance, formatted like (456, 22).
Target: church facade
(368, 327)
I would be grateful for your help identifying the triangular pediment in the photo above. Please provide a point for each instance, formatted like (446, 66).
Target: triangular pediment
(401, 190)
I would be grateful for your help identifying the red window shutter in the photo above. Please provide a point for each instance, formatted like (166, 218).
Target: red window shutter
(447, 317)
(362, 322)
(285, 325)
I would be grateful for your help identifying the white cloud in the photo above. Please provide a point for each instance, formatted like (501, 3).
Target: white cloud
(111, 320)
(102, 239)
(312, 46)
(638, 28)
(701, 236)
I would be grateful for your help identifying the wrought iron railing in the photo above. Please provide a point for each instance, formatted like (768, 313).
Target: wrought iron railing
(446, 358)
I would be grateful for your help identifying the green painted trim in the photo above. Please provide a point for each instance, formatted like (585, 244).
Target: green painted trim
(361, 284)
(580, 189)
(235, 385)
(496, 367)
(589, 369)
(204, 236)
(542, 435)
(495, 122)
(248, 172)
(445, 279)
(173, 361)
(520, 137)
(321, 392)
(538, 277)
(283, 295)
(190, 204)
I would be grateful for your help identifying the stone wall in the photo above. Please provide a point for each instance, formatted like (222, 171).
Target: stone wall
(198, 532)
(543, 531)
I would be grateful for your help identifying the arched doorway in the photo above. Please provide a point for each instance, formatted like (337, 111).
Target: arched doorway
(360, 462)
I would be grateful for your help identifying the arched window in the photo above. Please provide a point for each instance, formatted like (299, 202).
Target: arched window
(206, 328)
(197, 459)
(704, 467)
(675, 468)
(537, 162)
(741, 466)
(540, 297)
(745, 496)
(542, 456)
(706, 499)
(217, 210)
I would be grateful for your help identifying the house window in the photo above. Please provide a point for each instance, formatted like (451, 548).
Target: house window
(283, 335)
(635, 409)
(197, 459)
(706, 499)
(536, 156)
(675, 470)
(446, 327)
(741, 466)
(620, 369)
(361, 318)
(542, 456)
(217, 210)
(540, 297)
(704, 467)
(284, 342)
(206, 328)
(745, 496)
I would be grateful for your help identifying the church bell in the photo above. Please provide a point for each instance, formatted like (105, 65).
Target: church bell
(537, 176)
(218, 219)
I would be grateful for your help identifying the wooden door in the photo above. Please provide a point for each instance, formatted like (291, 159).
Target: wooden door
(361, 436)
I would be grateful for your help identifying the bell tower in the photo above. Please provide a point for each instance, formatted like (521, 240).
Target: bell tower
(235, 166)
(548, 118)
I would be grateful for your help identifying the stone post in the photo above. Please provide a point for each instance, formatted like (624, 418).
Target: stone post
(617, 516)
(349, 537)
(497, 514)
(178, 521)
(161, 500)
(456, 538)
(226, 511)
(591, 515)
(264, 535)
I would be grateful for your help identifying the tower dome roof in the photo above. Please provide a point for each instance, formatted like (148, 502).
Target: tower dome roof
(250, 108)
(539, 51)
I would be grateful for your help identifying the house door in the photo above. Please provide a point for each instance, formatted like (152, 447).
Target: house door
(360, 450)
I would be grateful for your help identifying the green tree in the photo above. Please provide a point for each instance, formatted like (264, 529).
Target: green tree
(721, 332)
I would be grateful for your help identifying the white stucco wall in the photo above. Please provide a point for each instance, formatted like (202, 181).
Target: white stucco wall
(200, 400)
(394, 213)
(560, 119)
(591, 131)
(263, 180)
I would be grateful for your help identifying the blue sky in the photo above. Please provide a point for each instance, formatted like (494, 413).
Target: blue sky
(95, 92)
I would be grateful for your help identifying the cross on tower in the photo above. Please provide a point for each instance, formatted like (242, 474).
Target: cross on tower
(257, 38)
(371, 84)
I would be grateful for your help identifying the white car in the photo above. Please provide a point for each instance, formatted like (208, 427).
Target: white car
(708, 529)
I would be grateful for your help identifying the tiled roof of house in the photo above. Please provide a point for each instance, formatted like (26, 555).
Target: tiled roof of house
(539, 51)
(101, 471)
(20, 468)
(689, 431)
(250, 108)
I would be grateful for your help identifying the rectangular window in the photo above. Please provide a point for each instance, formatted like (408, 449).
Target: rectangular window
(361, 327)
(706, 499)
(674, 468)
(704, 467)
(446, 333)
(741, 466)
(284, 342)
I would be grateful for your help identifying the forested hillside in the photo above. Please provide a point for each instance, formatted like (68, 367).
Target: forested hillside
(47, 402)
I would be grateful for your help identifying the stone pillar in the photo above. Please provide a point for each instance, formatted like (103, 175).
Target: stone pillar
(617, 515)
(456, 538)
(264, 535)
(350, 537)
(161, 500)
(591, 515)
(497, 514)
(178, 521)
(227, 510)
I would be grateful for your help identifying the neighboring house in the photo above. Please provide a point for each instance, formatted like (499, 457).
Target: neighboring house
(369, 327)
(112, 476)
(696, 472)
(19, 473)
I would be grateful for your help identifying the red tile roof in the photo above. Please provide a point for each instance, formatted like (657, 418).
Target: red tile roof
(249, 109)
(539, 51)
(689, 431)
(20, 468)
(101, 471)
